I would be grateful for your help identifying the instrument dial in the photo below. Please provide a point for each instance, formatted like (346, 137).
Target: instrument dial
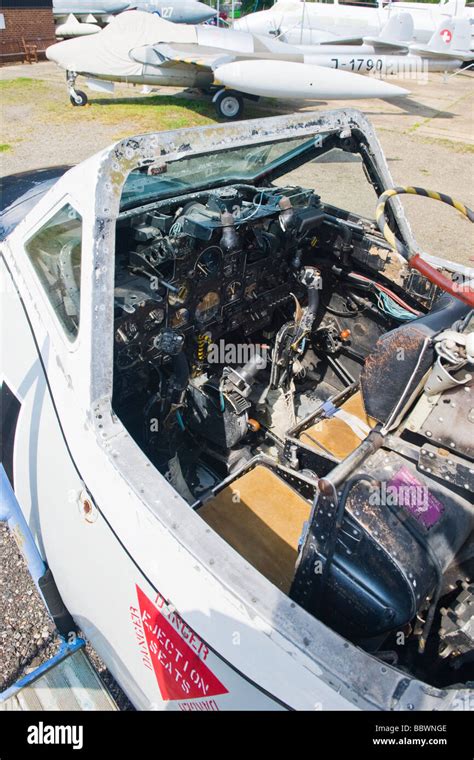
(207, 307)
(208, 264)
(179, 318)
(250, 291)
(232, 290)
(155, 317)
(181, 295)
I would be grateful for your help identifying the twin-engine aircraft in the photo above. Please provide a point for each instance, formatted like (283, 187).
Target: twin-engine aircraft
(145, 49)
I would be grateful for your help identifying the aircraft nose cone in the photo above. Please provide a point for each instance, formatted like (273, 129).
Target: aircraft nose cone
(199, 12)
(392, 91)
(52, 53)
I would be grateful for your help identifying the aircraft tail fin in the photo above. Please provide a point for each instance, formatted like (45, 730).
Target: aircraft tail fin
(451, 40)
(397, 32)
(452, 7)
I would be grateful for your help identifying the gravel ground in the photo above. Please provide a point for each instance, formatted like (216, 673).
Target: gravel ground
(428, 140)
(28, 636)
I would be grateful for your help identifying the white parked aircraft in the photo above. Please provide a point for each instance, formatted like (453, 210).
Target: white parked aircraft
(141, 48)
(239, 536)
(309, 23)
(392, 52)
(78, 18)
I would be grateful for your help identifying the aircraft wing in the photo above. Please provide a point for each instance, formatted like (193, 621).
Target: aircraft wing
(163, 54)
(385, 45)
(343, 41)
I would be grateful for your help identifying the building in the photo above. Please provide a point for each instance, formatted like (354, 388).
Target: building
(23, 24)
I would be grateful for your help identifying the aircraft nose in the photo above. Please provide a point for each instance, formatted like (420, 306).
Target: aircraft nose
(54, 53)
(199, 12)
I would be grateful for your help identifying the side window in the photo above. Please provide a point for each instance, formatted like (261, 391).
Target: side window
(55, 252)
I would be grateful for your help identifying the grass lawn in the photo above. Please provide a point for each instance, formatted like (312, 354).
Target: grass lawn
(44, 104)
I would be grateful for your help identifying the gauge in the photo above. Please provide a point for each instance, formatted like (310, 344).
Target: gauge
(250, 291)
(229, 269)
(179, 318)
(126, 333)
(209, 262)
(180, 295)
(207, 307)
(232, 290)
(155, 316)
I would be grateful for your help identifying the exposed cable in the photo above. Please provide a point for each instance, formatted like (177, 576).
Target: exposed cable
(386, 290)
(416, 259)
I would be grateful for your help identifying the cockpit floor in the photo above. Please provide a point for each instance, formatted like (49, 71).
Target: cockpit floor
(340, 435)
(261, 517)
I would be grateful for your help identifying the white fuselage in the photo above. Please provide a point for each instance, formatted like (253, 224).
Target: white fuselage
(314, 22)
(366, 60)
(181, 620)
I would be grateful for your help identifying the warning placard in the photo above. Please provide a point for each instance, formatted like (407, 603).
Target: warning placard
(176, 653)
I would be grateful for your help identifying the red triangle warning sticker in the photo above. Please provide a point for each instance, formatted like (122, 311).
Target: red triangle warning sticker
(177, 658)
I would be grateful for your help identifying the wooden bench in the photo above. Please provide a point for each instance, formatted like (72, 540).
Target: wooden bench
(24, 50)
(30, 51)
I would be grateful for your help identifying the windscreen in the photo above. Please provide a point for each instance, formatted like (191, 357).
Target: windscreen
(243, 163)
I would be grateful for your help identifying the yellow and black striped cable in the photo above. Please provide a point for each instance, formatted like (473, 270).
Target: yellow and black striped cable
(464, 291)
(381, 219)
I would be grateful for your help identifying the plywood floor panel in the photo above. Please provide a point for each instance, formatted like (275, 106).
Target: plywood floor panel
(336, 435)
(261, 517)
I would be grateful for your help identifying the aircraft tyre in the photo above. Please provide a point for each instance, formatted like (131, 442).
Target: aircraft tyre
(229, 105)
(78, 98)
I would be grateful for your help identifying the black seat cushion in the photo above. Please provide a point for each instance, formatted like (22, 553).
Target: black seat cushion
(395, 362)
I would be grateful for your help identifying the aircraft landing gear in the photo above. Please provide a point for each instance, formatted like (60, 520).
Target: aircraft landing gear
(228, 104)
(77, 97)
